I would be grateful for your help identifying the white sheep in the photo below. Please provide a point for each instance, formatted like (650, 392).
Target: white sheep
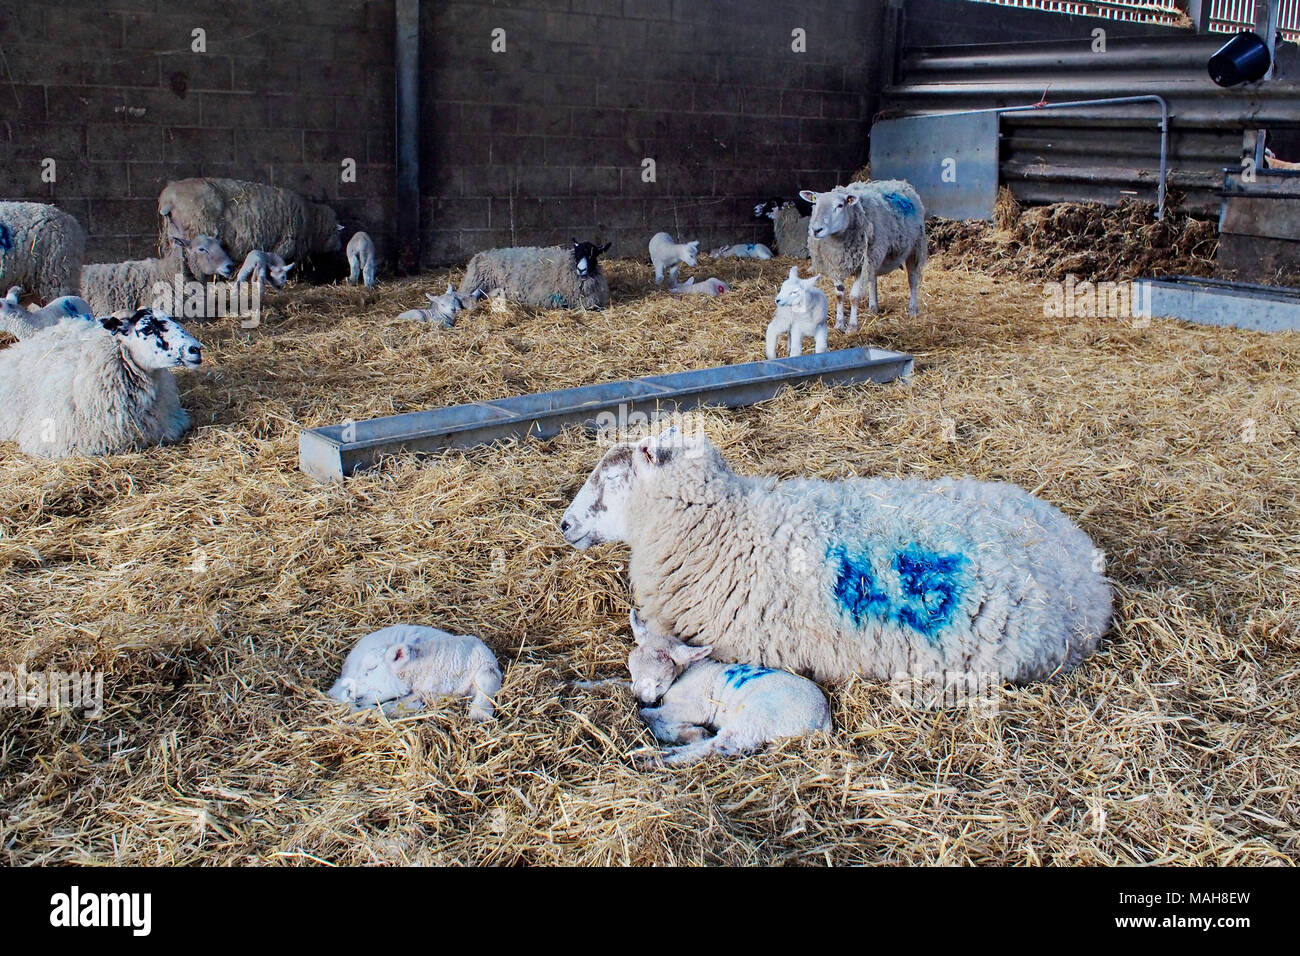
(711, 286)
(545, 278)
(23, 323)
(869, 228)
(41, 249)
(262, 266)
(668, 256)
(96, 388)
(801, 310)
(116, 286)
(362, 259)
(406, 665)
(879, 577)
(789, 227)
(442, 309)
(709, 707)
(742, 250)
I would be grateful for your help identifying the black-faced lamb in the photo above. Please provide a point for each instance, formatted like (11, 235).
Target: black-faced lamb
(246, 216)
(96, 388)
(871, 576)
(545, 278)
(668, 256)
(709, 707)
(406, 666)
(801, 310)
(869, 228)
(362, 259)
(41, 249)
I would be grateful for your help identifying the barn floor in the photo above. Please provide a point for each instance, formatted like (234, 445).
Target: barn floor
(218, 589)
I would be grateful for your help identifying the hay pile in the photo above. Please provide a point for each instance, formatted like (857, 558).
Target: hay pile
(218, 589)
(1087, 240)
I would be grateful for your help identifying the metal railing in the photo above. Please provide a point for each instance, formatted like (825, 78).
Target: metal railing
(1225, 16)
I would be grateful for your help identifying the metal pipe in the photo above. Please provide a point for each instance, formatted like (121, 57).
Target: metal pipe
(406, 69)
(1108, 101)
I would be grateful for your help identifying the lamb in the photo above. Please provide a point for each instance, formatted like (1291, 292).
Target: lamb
(260, 266)
(669, 256)
(23, 323)
(247, 216)
(872, 228)
(748, 707)
(975, 581)
(789, 226)
(801, 310)
(96, 388)
(442, 309)
(545, 278)
(407, 665)
(742, 250)
(117, 286)
(41, 248)
(362, 259)
(710, 286)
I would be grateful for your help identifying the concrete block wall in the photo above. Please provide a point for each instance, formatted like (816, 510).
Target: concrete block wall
(113, 92)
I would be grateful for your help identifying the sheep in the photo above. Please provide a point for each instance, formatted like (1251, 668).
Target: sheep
(872, 228)
(260, 266)
(710, 286)
(96, 388)
(801, 310)
(442, 309)
(668, 256)
(23, 323)
(747, 707)
(247, 216)
(544, 278)
(789, 226)
(41, 248)
(116, 286)
(743, 250)
(871, 576)
(406, 665)
(362, 259)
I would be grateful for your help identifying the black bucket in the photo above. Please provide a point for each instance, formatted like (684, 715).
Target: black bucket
(1243, 59)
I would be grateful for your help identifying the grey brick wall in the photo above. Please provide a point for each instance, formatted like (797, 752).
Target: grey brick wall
(111, 90)
(545, 140)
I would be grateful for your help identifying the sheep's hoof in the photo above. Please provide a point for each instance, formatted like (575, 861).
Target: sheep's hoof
(840, 327)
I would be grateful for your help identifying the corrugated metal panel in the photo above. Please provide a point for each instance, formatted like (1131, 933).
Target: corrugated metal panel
(1099, 153)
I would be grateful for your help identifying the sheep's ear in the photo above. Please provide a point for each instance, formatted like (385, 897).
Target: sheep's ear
(794, 272)
(812, 280)
(686, 654)
(431, 297)
(398, 656)
(12, 295)
(183, 243)
(576, 243)
(449, 289)
(850, 200)
(638, 626)
(604, 248)
(808, 195)
(289, 266)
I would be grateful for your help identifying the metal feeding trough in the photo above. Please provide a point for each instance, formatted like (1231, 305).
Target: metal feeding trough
(337, 451)
(1218, 302)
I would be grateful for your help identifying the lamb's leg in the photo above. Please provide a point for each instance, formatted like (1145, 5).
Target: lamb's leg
(855, 301)
(819, 338)
(914, 267)
(773, 337)
(485, 685)
(873, 295)
(370, 274)
(659, 274)
(664, 727)
(672, 275)
(726, 743)
(839, 307)
(796, 342)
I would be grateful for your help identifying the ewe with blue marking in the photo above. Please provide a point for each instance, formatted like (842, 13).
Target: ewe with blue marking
(41, 249)
(874, 577)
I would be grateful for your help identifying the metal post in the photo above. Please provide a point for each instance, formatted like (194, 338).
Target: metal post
(406, 61)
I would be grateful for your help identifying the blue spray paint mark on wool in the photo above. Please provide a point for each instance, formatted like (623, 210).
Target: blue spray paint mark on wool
(69, 308)
(738, 675)
(902, 205)
(921, 590)
(6, 238)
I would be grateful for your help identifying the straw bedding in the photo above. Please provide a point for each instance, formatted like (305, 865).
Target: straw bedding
(218, 590)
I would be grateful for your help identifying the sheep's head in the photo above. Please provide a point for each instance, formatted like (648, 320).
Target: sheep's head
(368, 676)
(205, 255)
(794, 292)
(446, 306)
(278, 271)
(831, 211)
(767, 210)
(692, 256)
(658, 659)
(584, 257)
(154, 340)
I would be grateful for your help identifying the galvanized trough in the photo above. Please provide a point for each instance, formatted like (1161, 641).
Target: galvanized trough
(334, 452)
(1218, 302)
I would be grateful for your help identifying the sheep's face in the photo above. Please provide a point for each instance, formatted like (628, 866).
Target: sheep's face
(279, 273)
(154, 340)
(598, 512)
(795, 291)
(369, 677)
(831, 211)
(446, 306)
(692, 256)
(584, 257)
(767, 210)
(657, 660)
(205, 255)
